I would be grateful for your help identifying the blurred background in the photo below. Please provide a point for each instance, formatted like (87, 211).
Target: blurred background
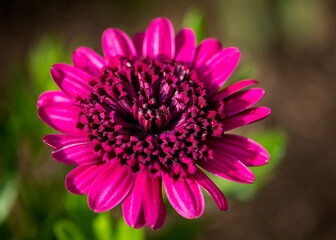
(289, 46)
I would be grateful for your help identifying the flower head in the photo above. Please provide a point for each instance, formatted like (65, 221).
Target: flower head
(147, 113)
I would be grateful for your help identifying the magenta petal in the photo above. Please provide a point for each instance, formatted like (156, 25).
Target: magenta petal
(117, 43)
(245, 117)
(159, 41)
(224, 165)
(62, 117)
(202, 179)
(132, 205)
(138, 43)
(153, 206)
(185, 196)
(80, 178)
(241, 101)
(88, 60)
(73, 81)
(162, 217)
(225, 92)
(60, 140)
(246, 150)
(52, 97)
(110, 187)
(206, 50)
(77, 154)
(185, 42)
(219, 68)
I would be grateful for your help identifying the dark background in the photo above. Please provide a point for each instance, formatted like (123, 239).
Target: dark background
(292, 43)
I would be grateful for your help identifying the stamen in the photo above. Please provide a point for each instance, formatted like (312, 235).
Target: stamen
(151, 116)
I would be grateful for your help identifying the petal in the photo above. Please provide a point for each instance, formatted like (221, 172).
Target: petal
(138, 43)
(153, 206)
(246, 150)
(245, 117)
(73, 81)
(185, 42)
(206, 50)
(225, 165)
(159, 40)
(219, 68)
(110, 187)
(202, 179)
(225, 92)
(185, 196)
(59, 140)
(77, 154)
(88, 60)
(52, 97)
(117, 43)
(62, 117)
(80, 179)
(162, 217)
(132, 205)
(241, 101)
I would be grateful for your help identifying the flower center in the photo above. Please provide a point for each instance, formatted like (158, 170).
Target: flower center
(149, 115)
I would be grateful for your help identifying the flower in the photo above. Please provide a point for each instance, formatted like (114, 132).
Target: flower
(151, 112)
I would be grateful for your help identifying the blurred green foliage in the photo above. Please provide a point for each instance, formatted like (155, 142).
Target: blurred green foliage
(67, 230)
(124, 232)
(195, 19)
(102, 227)
(21, 130)
(48, 51)
(8, 194)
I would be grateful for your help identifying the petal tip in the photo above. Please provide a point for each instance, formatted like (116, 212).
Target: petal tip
(159, 41)
(46, 139)
(161, 19)
(264, 111)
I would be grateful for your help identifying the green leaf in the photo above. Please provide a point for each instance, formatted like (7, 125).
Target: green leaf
(102, 227)
(125, 232)
(67, 230)
(195, 19)
(274, 141)
(8, 193)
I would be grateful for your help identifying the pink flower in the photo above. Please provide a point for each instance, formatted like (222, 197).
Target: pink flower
(147, 113)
